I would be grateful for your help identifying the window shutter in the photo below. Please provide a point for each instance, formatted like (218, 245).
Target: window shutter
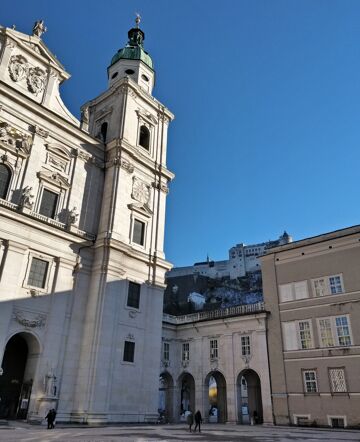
(301, 290)
(289, 336)
(286, 292)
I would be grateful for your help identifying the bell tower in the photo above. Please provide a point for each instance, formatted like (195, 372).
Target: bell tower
(119, 368)
(133, 61)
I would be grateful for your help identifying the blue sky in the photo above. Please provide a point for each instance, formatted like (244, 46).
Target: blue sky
(267, 102)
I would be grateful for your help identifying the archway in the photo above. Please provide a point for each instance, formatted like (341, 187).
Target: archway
(186, 384)
(18, 371)
(166, 392)
(215, 397)
(249, 397)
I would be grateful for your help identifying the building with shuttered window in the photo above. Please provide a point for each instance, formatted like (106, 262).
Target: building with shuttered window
(312, 292)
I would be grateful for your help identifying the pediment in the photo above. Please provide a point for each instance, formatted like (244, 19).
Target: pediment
(143, 209)
(37, 48)
(53, 178)
(58, 149)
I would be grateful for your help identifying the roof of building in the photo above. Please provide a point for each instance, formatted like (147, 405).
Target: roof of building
(335, 234)
(134, 50)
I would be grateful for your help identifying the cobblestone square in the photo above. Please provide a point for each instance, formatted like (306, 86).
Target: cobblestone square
(17, 431)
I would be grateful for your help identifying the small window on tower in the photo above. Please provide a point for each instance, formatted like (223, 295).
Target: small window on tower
(144, 138)
(114, 75)
(103, 131)
(129, 72)
(144, 77)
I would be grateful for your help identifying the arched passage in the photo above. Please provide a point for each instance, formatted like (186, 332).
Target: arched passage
(215, 397)
(249, 397)
(186, 385)
(166, 392)
(19, 365)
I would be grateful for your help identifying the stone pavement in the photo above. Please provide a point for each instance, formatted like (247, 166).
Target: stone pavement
(18, 431)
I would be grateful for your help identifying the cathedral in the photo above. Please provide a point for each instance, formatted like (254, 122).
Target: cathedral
(276, 339)
(82, 206)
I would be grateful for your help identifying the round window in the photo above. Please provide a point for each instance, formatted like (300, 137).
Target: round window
(144, 77)
(129, 71)
(115, 74)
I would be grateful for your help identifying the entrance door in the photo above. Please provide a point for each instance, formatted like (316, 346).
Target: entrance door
(215, 397)
(249, 397)
(11, 381)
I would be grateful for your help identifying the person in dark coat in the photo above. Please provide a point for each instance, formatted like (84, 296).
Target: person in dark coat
(198, 420)
(50, 417)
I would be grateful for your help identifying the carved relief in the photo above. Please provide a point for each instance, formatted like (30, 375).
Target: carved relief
(39, 131)
(18, 67)
(161, 186)
(13, 137)
(126, 165)
(28, 319)
(36, 80)
(56, 162)
(140, 191)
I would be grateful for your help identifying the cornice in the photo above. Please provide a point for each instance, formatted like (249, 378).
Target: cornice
(49, 59)
(31, 222)
(126, 84)
(46, 114)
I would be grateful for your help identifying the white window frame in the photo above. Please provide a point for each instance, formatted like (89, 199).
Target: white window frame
(59, 203)
(245, 346)
(334, 331)
(166, 351)
(214, 349)
(309, 321)
(185, 352)
(310, 370)
(329, 417)
(49, 275)
(136, 216)
(144, 121)
(333, 391)
(288, 292)
(327, 285)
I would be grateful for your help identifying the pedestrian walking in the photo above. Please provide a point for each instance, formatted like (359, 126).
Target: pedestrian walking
(190, 419)
(50, 417)
(198, 421)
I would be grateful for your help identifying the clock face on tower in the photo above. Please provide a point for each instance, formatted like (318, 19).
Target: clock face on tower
(140, 191)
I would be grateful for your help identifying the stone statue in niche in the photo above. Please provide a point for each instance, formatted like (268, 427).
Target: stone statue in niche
(39, 28)
(73, 216)
(26, 199)
(49, 383)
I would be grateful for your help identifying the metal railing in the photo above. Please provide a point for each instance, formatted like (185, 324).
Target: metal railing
(215, 314)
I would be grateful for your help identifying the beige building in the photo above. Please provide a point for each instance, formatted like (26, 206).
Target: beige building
(312, 291)
(216, 362)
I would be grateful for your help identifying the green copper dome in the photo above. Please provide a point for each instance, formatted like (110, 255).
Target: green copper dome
(134, 49)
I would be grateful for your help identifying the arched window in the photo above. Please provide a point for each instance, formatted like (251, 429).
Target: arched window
(5, 176)
(103, 131)
(144, 138)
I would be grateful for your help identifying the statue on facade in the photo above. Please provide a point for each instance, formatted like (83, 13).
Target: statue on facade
(49, 383)
(39, 28)
(84, 118)
(73, 216)
(27, 197)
